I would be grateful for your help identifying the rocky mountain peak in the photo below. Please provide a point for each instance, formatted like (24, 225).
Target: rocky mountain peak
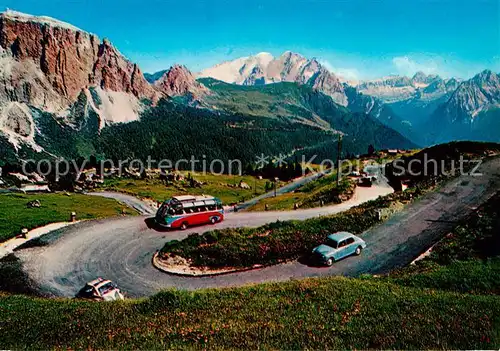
(420, 78)
(485, 77)
(178, 80)
(477, 94)
(451, 84)
(49, 65)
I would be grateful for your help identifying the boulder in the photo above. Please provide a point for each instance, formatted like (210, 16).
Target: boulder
(243, 185)
(34, 204)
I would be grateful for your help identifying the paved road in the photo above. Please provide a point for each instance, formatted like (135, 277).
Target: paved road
(121, 249)
(131, 201)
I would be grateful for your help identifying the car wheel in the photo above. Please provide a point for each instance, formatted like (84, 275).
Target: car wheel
(329, 262)
(214, 220)
(184, 226)
(358, 251)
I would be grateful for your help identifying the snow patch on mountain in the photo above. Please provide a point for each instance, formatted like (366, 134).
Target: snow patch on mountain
(16, 123)
(113, 106)
(23, 17)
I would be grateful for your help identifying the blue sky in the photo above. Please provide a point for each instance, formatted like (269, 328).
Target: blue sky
(357, 39)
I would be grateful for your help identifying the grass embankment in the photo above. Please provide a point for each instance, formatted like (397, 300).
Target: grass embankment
(15, 214)
(225, 187)
(339, 312)
(449, 306)
(276, 242)
(310, 195)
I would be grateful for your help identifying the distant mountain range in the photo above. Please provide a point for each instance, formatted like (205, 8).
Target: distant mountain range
(64, 92)
(407, 104)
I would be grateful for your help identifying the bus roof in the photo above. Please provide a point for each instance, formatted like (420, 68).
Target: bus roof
(183, 198)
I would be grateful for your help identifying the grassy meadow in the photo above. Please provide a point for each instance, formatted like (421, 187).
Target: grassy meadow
(56, 207)
(223, 186)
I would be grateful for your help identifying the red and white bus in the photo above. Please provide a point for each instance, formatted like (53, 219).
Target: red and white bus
(187, 210)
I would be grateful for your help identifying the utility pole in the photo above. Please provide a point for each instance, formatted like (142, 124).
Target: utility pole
(339, 153)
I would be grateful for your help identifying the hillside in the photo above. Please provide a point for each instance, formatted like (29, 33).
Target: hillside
(247, 121)
(305, 105)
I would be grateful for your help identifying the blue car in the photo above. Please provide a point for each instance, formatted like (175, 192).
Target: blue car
(338, 246)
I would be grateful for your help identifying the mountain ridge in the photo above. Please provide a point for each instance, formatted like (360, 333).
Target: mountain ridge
(472, 109)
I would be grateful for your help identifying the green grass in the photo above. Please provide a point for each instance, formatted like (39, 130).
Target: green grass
(309, 195)
(274, 101)
(15, 215)
(224, 187)
(471, 276)
(284, 202)
(339, 312)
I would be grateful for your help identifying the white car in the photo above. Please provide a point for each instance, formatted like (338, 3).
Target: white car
(100, 289)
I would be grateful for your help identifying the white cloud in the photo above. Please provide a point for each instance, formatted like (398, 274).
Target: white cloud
(346, 74)
(407, 66)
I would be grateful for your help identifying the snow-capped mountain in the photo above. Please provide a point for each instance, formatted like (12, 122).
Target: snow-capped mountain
(263, 68)
(413, 99)
(397, 88)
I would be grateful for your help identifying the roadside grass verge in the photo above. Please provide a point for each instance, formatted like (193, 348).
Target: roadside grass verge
(276, 242)
(223, 186)
(472, 277)
(56, 207)
(14, 280)
(283, 202)
(339, 312)
(321, 191)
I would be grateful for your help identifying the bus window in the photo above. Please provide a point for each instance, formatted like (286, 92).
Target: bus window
(171, 211)
(219, 206)
(179, 211)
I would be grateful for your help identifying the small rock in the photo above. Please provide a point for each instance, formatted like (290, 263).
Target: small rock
(34, 204)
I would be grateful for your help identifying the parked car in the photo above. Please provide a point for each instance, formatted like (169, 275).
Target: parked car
(100, 289)
(338, 246)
